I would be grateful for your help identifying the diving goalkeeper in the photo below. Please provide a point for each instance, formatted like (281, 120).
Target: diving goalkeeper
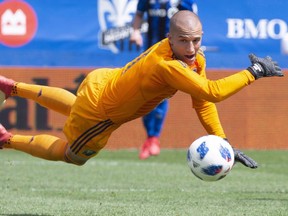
(107, 98)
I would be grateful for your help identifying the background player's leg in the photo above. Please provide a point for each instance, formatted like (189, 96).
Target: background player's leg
(149, 122)
(159, 118)
(153, 123)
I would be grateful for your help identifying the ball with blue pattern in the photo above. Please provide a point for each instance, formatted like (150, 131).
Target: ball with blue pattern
(210, 158)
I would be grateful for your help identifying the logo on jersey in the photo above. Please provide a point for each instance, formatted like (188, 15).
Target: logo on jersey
(163, 12)
(182, 63)
(115, 18)
(18, 23)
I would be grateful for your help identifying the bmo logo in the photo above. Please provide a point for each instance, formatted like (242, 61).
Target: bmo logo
(263, 29)
(18, 23)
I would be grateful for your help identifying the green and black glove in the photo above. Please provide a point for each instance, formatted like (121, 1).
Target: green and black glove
(239, 156)
(264, 67)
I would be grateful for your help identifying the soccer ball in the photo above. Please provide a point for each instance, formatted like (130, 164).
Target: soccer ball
(210, 158)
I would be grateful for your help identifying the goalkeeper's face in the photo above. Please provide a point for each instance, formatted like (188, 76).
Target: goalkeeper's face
(185, 37)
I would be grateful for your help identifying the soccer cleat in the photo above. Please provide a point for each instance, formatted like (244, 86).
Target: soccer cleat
(144, 151)
(4, 136)
(154, 146)
(6, 85)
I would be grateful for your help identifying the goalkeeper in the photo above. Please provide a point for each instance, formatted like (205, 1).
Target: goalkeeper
(107, 98)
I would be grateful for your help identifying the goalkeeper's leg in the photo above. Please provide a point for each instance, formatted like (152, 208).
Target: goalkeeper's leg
(57, 99)
(86, 141)
(43, 146)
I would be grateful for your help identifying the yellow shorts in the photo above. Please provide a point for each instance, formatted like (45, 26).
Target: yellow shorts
(87, 129)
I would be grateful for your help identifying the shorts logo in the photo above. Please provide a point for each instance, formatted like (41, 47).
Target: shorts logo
(18, 23)
(89, 152)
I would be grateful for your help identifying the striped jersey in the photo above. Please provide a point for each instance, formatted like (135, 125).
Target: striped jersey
(159, 13)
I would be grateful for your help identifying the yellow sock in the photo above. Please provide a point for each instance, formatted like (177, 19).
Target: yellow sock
(43, 146)
(57, 99)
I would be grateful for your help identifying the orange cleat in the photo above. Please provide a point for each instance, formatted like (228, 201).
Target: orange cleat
(154, 146)
(144, 151)
(4, 136)
(150, 147)
(6, 85)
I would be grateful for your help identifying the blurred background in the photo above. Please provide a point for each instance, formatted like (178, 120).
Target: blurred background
(58, 42)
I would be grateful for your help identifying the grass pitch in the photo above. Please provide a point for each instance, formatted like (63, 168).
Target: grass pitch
(118, 183)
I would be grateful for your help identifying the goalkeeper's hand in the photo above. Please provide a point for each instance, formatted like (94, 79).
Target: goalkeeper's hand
(239, 156)
(264, 67)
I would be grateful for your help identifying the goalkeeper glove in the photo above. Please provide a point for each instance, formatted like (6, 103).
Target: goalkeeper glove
(264, 67)
(244, 159)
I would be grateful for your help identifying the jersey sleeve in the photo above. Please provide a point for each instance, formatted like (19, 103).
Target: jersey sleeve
(179, 76)
(142, 6)
(208, 115)
(206, 111)
(187, 5)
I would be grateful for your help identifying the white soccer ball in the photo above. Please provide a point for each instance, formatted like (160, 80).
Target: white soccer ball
(210, 158)
(2, 98)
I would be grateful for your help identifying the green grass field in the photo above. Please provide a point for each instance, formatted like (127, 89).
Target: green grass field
(117, 183)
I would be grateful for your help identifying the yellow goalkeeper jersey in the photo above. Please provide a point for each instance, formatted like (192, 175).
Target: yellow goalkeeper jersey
(123, 94)
(143, 83)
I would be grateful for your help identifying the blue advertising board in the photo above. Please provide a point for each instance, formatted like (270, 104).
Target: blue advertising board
(95, 33)
(68, 33)
(233, 29)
